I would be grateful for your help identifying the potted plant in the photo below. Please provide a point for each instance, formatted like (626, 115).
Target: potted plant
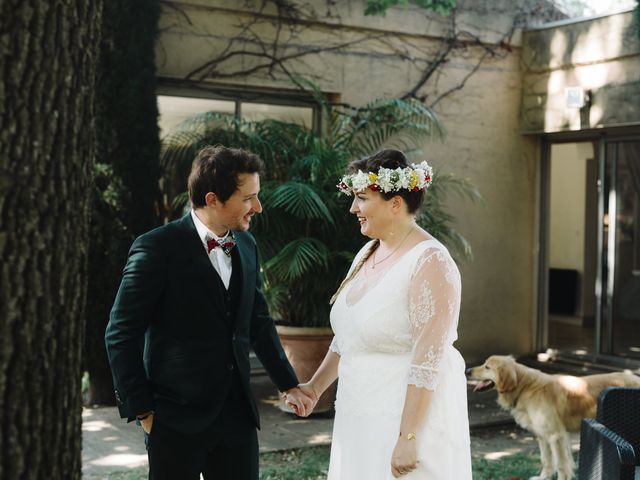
(305, 235)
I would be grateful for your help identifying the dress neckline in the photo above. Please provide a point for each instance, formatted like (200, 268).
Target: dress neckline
(384, 275)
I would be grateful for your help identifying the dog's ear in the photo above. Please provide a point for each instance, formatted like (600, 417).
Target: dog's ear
(507, 377)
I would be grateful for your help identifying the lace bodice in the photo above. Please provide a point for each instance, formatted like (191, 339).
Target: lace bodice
(411, 311)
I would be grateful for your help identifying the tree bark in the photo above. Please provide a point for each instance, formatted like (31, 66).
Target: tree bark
(48, 55)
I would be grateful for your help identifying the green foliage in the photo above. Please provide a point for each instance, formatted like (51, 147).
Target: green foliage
(108, 245)
(127, 109)
(127, 169)
(306, 237)
(380, 7)
(434, 217)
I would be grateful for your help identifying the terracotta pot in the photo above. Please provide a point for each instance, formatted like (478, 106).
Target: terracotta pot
(306, 347)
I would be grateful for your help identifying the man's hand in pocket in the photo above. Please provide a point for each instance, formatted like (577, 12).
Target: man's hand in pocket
(147, 423)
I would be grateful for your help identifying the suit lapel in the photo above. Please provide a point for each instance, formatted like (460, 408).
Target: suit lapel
(202, 264)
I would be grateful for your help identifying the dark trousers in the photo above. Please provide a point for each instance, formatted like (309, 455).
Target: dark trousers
(226, 450)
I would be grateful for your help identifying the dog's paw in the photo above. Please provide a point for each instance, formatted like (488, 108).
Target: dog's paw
(540, 477)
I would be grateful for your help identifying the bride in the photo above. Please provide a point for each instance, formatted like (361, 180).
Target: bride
(401, 408)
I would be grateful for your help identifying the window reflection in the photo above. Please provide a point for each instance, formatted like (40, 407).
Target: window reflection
(174, 110)
(262, 111)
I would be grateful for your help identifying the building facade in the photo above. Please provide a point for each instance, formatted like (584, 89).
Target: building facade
(499, 93)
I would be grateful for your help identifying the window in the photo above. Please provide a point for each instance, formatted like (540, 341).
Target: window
(174, 110)
(177, 104)
(285, 113)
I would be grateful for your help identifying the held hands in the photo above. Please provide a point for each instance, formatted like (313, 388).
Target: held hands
(302, 399)
(405, 457)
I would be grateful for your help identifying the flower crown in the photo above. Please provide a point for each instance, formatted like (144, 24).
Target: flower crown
(412, 178)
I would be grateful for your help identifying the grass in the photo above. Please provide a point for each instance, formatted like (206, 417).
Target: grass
(516, 466)
(513, 467)
(311, 463)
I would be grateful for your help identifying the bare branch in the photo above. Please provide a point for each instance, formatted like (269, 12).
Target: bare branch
(488, 51)
(272, 60)
(441, 57)
(461, 85)
(173, 6)
(290, 18)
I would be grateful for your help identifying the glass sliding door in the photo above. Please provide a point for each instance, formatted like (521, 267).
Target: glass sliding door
(621, 250)
(572, 247)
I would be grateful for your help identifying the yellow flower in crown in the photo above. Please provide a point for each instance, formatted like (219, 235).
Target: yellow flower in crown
(373, 177)
(414, 180)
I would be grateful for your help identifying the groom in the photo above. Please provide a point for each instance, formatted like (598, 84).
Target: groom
(188, 310)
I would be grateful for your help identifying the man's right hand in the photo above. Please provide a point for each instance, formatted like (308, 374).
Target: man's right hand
(147, 424)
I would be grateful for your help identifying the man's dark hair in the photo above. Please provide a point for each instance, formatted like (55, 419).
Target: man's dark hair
(216, 169)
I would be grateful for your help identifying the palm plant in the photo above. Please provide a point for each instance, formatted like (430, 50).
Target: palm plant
(306, 236)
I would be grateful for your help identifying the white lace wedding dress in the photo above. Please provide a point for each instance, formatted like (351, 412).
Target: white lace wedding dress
(394, 330)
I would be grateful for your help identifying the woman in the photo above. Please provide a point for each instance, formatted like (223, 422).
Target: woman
(401, 406)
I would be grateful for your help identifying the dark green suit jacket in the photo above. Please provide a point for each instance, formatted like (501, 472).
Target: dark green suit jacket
(170, 348)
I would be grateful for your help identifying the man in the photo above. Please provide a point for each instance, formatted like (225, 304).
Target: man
(191, 290)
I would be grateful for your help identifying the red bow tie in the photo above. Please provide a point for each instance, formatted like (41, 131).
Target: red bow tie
(226, 244)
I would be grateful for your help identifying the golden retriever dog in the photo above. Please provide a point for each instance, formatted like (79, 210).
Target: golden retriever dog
(549, 406)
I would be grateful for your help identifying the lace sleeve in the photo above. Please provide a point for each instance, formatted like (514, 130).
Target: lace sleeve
(434, 306)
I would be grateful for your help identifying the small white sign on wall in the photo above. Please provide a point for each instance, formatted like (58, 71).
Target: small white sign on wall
(574, 97)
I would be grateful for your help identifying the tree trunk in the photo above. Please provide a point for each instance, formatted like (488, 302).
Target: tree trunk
(48, 55)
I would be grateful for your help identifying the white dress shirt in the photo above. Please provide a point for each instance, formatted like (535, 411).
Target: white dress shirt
(220, 260)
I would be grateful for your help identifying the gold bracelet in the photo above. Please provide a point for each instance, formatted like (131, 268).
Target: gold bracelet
(410, 436)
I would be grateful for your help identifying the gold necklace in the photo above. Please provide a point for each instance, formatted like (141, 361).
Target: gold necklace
(373, 259)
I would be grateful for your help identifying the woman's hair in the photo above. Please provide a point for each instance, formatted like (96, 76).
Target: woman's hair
(216, 169)
(390, 158)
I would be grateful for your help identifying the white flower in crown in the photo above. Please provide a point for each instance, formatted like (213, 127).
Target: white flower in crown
(405, 178)
(384, 180)
(413, 178)
(360, 181)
